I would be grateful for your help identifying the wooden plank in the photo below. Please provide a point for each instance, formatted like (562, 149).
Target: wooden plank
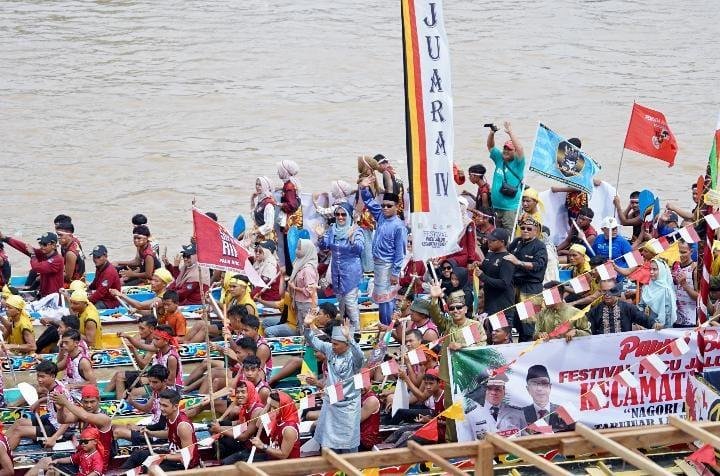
(435, 458)
(156, 470)
(618, 450)
(697, 432)
(526, 455)
(244, 469)
(484, 459)
(338, 462)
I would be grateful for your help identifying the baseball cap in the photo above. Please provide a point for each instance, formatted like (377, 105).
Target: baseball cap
(509, 145)
(500, 234)
(99, 251)
(48, 238)
(609, 223)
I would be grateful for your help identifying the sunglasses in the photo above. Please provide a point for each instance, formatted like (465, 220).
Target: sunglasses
(388, 205)
(447, 268)
(84, 442)
(456, 307)
(340, 214)
(527, 228)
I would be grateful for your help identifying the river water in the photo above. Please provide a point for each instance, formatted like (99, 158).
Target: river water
(110, 108)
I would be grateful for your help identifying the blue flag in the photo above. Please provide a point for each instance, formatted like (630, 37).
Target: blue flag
(558, 159)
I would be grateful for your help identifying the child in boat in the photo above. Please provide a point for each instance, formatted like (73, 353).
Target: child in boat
(76, 364)
(46, 372)
(157, 378)
(86, 461)
(171, 315)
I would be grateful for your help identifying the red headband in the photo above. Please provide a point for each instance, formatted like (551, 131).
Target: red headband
(164, 335)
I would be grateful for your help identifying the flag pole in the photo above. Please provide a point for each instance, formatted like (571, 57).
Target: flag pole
(521, 189)
(622, 154)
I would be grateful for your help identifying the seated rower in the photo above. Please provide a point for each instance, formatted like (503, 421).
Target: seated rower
(158, 283)
(284, 434)
(45, 261)
(369, 419)
(245, 408)
(140, 269)
(143, 341)
(76, 364)
(7, 466)
(88, 415)
(157, 379)
(250, 327)
(17, 327)
(171, 315)
(180, 433)
(86, 461)
(431, 395)
(90, 326)
(106, 279)
(244, 347)
(46, 374)
(71, 251)
(237, 291)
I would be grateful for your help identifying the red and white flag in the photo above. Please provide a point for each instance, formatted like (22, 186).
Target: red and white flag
(239, 429)
(596, 397)
(307, 401)
(540, 426)
(689, 235)
(606, 271)
(551, 296)
(653, 365)
(626, 378)
(649, 134)
(389, 367)
(362, 379)
(568, 413)
(634, 259)
(335, 393)
(416, 356)
(526, 310)
(679, 347)
(186, 456)
(713, 220)
(658, 245)
(134, 472)
(472, 333)
(498, 320)
(205, 442)
(580, 284)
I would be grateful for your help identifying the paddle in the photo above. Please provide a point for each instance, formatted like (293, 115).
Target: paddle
(130, 354)
(9, 358)
(30, 395)
(129, 388)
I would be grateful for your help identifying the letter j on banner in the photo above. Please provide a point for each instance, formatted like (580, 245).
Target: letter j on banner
(435, 213)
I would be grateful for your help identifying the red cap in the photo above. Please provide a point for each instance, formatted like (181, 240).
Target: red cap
(509, 145)
(90, 391)
(90, 433)
(433, 373)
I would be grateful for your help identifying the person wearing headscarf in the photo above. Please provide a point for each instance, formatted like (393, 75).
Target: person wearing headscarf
(266, 264)
(191, 281)
(263, 205)
(366, 221)
(291, 213)
(284, 429)
(346, 243)
(304, 279)
(580, 266)
(236, 290)
(246, 408)
(340, 190)
(532, 207)
(17, 326)
(467, 254)
(658, 299)
(338, 427)
(388, 248)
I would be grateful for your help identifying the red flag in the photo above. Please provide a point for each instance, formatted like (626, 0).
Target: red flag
(216, 247)
(649, 134)
(706, 454)
(560, 330)
(429, 431)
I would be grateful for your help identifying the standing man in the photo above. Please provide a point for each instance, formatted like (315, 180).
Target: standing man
(508, 176)
(530, 257)
(106, 278)
(496, 273)
(388, 248)
(45, 261)
(338, 427)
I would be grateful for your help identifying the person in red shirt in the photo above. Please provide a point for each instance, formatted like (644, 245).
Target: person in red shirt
(191, 281)
(86, 461)
(106, 278)
(7, 468)
(45, 261)
(139, 270)
(284, 429)
(369, 419)
(71, 251)
(5, 269)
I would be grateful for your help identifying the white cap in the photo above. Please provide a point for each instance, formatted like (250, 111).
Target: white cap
(609, 223)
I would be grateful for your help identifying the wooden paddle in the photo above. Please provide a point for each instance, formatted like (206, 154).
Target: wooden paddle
(130, 354)
(30, 395)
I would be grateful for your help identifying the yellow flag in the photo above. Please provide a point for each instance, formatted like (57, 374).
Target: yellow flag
(581, 313)
(454, 412)
(305, 369)
(371, 472)
(672, 254)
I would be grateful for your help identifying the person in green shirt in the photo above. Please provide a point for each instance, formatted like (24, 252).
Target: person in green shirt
(554, 315)
(510, 170)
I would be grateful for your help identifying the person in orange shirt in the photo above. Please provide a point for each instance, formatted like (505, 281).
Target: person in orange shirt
(172, 316)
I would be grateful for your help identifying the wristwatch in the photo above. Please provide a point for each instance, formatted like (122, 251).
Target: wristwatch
(265, 447)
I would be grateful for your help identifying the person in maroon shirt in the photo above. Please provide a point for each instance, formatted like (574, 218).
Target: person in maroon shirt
(140, 270)
(191, 281)
(45, 261)
(5, 269)
(71, 251)
(106, 278)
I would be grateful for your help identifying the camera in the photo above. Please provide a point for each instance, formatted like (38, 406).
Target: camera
(492, 126)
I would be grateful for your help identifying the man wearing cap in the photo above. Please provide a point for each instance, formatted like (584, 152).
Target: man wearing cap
(420, 320)
(71, 251)
(490, 412)
(539, 388)
(158, 284)
(45, 261)
(610, 237)
(106, 279)
(508, 176)
(388, 248)
(338, 427)
(139, 270)
(496, 273)
(530, 257)
(17, 326)
(613, 315)
(90, 327)
(554, 315)
(190, 280)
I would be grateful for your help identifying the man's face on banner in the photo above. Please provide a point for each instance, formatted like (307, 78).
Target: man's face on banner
(539, 390)
(495, 395)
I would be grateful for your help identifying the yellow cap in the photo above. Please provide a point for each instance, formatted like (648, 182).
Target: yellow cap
(79, 296)
(5, 292)
(578, 248)
(531, 193)
(164, 274)
(77, 285)
(15, 301)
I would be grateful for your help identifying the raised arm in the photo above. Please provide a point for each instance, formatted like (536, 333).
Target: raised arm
(519, 152)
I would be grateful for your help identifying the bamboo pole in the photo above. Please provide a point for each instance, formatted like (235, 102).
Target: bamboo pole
(423, 452)
(699, 433)
(339, 462)
(528, 456)
(620, 451)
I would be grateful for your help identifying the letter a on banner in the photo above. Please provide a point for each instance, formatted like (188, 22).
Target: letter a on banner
(435, 217)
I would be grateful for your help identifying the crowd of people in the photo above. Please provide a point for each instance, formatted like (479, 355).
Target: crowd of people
(504, 249)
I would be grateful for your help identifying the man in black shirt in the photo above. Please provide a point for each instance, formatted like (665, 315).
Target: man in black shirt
(613, 315)
(496, 273)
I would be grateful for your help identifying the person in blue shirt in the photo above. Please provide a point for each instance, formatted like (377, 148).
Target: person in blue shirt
(508, 177)
(620, 245)
(388, 248)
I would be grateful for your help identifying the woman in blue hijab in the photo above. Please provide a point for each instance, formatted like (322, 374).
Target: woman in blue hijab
(346, 242)
(658, 298)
